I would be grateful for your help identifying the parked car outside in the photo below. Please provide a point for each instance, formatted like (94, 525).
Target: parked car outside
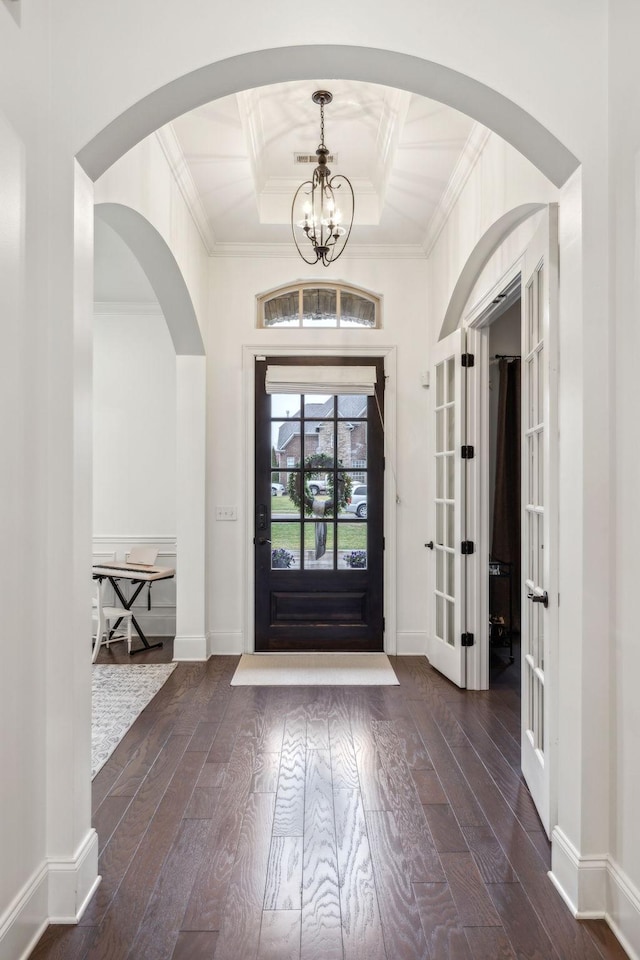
(277, 489)
(318, 485)
(358, 502)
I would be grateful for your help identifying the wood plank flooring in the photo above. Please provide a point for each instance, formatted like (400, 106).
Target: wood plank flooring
(322, 823)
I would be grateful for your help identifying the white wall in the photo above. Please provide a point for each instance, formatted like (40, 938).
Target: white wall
(625, 402)
(134, 425)
(234, 284)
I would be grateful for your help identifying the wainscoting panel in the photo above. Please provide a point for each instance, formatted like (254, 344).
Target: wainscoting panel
(160, 621)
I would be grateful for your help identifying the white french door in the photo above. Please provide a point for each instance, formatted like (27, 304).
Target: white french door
(539, 520)
(452, 545)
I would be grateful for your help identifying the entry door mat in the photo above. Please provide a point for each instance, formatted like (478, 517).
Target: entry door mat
(314, 670)
(118, 695)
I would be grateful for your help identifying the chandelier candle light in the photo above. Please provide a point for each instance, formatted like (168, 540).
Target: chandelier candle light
(322, 221)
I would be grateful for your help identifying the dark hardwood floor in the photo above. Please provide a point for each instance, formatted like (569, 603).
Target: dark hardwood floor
(322, 823)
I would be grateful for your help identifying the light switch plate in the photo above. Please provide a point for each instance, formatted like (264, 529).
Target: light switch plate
(226, 513)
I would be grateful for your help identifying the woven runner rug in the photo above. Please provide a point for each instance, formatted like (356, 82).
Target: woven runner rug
(118, 695)
(314, 670)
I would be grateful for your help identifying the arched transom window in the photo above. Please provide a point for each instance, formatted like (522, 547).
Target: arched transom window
(319, 305)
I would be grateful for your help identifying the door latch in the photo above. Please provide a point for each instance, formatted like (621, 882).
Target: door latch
(539, 598)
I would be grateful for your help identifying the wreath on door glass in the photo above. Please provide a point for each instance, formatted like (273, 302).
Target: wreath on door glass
(312, 467)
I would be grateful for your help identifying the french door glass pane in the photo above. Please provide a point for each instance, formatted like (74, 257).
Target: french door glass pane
(285, 546)
(318, 545)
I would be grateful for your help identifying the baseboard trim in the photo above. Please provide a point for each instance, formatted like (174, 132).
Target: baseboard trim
(411, 644)
(227, 643)
(73, 881)
(58, 891)
(187, 647)
(623, 909)
(26, 918)
(596, 888)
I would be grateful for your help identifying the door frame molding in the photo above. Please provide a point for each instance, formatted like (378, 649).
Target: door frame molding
(389, 355)
(480, 319)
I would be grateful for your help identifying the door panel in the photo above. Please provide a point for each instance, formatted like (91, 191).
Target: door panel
(318, 556)
(445, 648)
(539, 522)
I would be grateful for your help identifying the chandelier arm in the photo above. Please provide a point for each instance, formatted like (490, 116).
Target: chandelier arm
(307, 183)
(341, 176)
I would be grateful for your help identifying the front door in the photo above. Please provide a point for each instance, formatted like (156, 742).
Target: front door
(319, 513)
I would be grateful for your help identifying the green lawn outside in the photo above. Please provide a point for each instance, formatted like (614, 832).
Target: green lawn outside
(352, 533)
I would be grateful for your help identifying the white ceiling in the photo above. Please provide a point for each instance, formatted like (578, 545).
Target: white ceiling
(399, 151)
(406, 156)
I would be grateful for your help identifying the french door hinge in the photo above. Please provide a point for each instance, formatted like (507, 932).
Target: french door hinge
(467, 547)
(467, 640)
(384, 624)
(468, 359)
(467, 452)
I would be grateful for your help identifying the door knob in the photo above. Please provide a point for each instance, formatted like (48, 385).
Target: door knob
(539, 598)
(430, 544)
(263, 540)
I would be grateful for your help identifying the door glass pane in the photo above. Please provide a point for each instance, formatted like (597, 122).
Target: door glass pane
(541, 468)
(439, 385)
(356, 508)
(318, 545)
(451, 574)
(450, 623)
(540, 385)
(440, 468)
(450, 525)
(440, 415)
(285, 546)
(440, 617)
(318, 441)
(352, 406)
(285, 405)
(352, 546)
(318, 405)
(451, 476)
(352, 444)
(440, 508)
(283, 482)
(440, 571)
(451, 379)
(451, 428)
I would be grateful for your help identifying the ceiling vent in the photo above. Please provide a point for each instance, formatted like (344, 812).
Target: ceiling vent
(312, 158)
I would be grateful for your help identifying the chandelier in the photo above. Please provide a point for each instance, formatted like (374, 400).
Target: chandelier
(316, 219)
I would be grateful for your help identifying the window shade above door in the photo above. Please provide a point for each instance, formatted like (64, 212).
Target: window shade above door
(321, 379)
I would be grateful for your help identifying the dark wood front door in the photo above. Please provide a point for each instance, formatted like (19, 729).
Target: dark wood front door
(319, 516)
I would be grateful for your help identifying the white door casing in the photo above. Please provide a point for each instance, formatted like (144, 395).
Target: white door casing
(539, 631)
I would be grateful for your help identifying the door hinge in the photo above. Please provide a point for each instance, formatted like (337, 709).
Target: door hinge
(467, 452)
(467, 547)
(468, 359)
(467, 640)
(384, 624)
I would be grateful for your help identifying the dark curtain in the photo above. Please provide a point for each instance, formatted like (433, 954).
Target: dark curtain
(505, 543)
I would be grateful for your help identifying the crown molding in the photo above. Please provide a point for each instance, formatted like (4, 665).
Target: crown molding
(179, 167)
(471, 152)
(391, 251)
(122, 308)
